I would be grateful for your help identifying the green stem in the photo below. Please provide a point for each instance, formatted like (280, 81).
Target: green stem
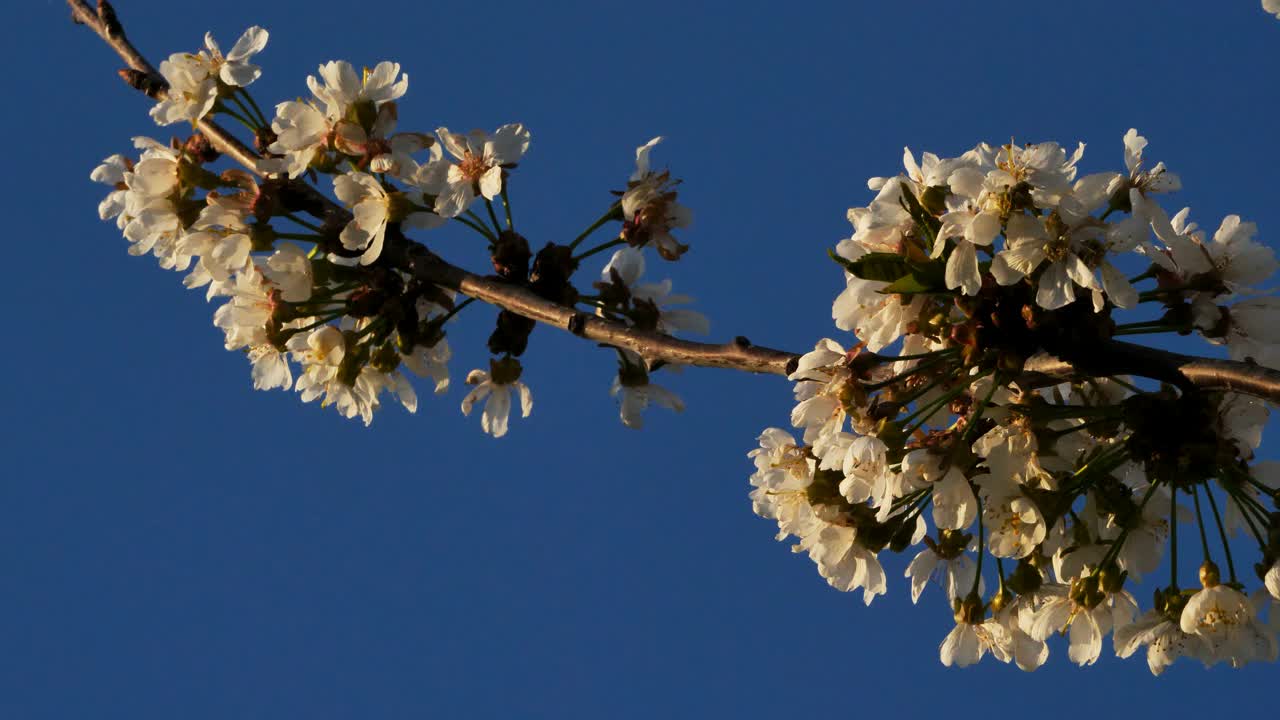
(456, 309)
(921, 356)
(1104, 462)
(506, 206)
(977, 574)
(222, 108)
(1143, 324)
(257, 124)
(1271, 492)
(1222, 533)
(1147, 331)
(1173, 536)
(1127, 385)
(1118, 544)
(599, 248)
(905, 374)
(245, 93)
(1246, 513)
(493, 216)
(982, 408)
(310, 226)
(478, 228)
(1082, 426)
(326, 319)
(1204, 539)
(928, 410)
(611, 214)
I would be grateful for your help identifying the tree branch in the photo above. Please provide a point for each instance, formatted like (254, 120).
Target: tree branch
(739, 354)
(142, 76)
(1121, 358)
(1112, 357)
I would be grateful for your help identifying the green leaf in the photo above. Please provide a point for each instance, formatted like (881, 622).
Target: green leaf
(927, 277)
(908, 285)
(926, 223)
(885, 267)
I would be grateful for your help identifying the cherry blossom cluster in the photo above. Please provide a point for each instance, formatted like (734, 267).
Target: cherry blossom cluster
(330, 304)
(1036, 505)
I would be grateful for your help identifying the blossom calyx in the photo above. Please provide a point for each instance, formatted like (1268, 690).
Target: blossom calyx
(1209, 575)
(510, 256)
(969, 610)
(1025, 578)
(504, 371)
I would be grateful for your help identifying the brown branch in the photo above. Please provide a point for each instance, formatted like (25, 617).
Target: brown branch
(739, 354)
(1108, 358)
(1122, 358)
(142, 76)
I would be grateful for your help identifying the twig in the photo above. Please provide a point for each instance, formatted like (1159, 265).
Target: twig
(1115, 357)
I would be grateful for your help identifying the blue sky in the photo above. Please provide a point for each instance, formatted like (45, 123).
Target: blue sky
(174, 544)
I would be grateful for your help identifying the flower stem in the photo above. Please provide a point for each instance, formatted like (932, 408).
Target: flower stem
(610, 215)
(480, 228)
(257, 124)
(922, 414)
(222, 108)
(1204, 539)
(1173, 536)
(245, 93)
(1118, 544)
(493, 217)
(599, 248)
(456, 309)
(927, 365)
(920, 356)
(977, 574)
(1147, 331)
(1246, 512)
(1222, 533)
(506, 206)
(310, 226)
(982, 408)
(1127, 385)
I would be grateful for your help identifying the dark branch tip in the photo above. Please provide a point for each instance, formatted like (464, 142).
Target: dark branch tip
(792, 364)
(110, 21)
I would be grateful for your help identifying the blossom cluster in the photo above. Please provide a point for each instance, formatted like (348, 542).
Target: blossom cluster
(333, 306)
(954, 449)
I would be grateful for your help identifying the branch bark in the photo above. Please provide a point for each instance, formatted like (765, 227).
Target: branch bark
(738, 354)
(1123, 358)
(147, 80)
(1115, 357)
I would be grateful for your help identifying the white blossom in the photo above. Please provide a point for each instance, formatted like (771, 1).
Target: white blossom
(627, 266)
(479, 162)
(496, 392)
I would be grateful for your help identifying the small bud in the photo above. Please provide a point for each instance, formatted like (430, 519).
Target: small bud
(1024, 579)
(1002, 598)
(510, 256)
(386, 358)
(198, 148)
(1209, 576)
(1111, 579)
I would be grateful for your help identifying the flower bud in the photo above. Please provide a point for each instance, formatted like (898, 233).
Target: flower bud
(1024, 578)
(386, 358)
(1209, 575)
(1002, 598)
(1111, 579)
